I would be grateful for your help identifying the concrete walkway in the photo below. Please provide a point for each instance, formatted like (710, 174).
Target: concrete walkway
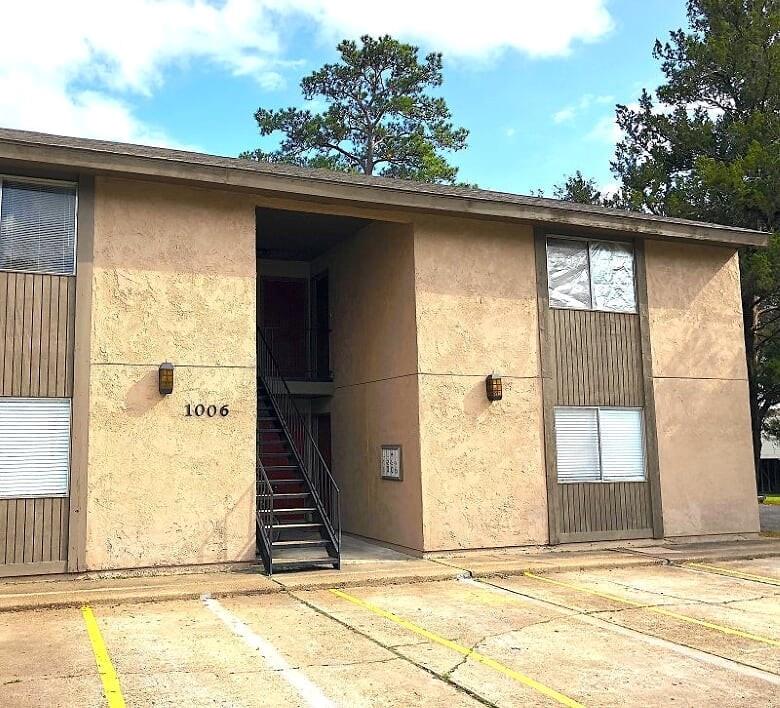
(366, 564)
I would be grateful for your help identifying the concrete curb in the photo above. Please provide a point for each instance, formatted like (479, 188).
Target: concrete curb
(222, 585)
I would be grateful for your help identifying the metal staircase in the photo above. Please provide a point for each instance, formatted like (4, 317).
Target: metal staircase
(298, 517)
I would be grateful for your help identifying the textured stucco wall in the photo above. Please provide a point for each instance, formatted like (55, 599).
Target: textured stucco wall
(374, 359)
(700, 384)
(174, 279)
(483, 476)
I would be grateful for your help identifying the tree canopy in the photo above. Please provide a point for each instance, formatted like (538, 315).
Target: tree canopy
(380, 117)
(706, 146)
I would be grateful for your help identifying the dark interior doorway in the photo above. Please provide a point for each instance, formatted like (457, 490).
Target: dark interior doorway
(285, 314)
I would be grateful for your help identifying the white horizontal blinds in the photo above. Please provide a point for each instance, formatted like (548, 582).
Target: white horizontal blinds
(599, 444)
(37, 227)
(591, 275)
(568, 274)
(34, 447)
(612, 276)
(622, 445)
(577, 444)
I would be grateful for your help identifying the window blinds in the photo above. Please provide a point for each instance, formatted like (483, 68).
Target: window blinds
(34, 447)
(600, 444)
(577, 442)
(37, 227)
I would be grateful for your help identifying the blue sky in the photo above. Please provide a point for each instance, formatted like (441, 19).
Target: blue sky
(535, 83)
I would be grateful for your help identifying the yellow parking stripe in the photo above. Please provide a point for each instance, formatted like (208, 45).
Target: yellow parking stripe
(106, 670)
(733, 573)
(659, 611)
(464, 651)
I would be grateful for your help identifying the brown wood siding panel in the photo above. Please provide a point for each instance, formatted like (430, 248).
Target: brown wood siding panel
(598, 358)
(592, 508)
(33, 530)
(37, 315)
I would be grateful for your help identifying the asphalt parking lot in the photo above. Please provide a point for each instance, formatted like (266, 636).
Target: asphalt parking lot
(660, 635)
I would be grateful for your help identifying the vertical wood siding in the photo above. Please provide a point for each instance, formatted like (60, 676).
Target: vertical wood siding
(598, 510)
(33, 530)
(597, 361)
(37, 314)
(598, 358)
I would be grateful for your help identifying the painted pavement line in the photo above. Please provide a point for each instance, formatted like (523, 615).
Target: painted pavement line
(732, 573)
(612, 626)
(460, 649)
(111, 687)
(659, 611)
(311, 694)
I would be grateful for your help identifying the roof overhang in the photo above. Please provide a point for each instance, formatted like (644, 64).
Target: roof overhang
(82, 156)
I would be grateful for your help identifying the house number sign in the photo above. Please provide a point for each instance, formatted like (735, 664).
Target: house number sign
(210, 411)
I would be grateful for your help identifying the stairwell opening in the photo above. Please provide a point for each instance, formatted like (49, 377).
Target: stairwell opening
(298, 499)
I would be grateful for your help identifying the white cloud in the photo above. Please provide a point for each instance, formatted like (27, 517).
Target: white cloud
(539, 29)
(510, 132)
(77, 67)
(569, 112)
(606, 130)
(563, 115)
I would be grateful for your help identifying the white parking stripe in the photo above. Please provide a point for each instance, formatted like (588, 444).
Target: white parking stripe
(308, 691)
(652, 640)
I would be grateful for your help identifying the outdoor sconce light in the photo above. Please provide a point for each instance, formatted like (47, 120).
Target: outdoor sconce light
(165, 378)
(493, 387)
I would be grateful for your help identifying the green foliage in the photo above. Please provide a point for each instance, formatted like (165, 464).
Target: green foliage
(707, 147)
(578, 189)
(380, 117)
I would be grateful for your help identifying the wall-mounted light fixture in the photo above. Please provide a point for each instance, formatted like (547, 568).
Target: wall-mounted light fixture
(493, 387)
(165, 378)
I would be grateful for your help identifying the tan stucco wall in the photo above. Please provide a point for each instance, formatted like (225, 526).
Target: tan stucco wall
(701, 394)
(374, 359)
(483, 477)
(174, 279)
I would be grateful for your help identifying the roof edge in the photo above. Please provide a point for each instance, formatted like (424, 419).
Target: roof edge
(175, 165)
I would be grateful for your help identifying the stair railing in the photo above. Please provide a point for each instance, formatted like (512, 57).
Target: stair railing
(323, 487)
(265, 513)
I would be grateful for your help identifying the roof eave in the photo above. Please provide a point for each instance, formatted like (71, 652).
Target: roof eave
(317, 187)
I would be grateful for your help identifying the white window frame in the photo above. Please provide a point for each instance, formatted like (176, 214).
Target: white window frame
(588, 241)
(57, 182)
(601, 479)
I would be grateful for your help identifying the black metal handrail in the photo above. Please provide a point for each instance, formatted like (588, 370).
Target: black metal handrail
(265, 513)
(321, 484)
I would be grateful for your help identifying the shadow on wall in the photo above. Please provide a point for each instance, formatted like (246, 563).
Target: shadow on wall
(143, 395)
(217, 545)
(475, 402)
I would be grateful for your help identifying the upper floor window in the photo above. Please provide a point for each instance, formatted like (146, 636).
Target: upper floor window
(591, 275)
(37, 226)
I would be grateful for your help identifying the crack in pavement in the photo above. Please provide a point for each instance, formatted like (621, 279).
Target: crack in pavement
(390, 648)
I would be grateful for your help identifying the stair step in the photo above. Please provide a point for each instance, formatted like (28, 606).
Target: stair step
(298, 480)
(299, 525)
(288, 495)
(300, 544)
(280, 467)
(275, 454)
(295, 510)
(296, 564)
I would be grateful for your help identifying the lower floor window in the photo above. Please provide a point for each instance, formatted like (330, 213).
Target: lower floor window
(600, 444)
(34, 447)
